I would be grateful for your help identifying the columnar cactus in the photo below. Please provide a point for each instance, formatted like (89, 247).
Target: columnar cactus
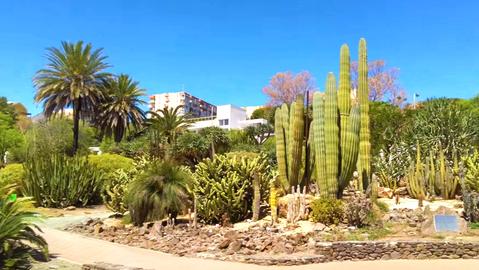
(289, 132)
(364, 160)
(417, 177)
(336, 132)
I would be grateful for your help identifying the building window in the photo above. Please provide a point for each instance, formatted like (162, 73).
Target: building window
(224, 122)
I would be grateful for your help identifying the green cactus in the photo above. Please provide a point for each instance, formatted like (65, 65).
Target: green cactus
(289, 131)
(336, 128)
(447, 178)
(417, 177)
(364, 160)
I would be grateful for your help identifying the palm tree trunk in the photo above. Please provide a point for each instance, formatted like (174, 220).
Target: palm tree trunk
(76, 125)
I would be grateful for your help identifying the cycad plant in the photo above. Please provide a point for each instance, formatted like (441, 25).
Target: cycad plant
(159, 191)
(18, 233)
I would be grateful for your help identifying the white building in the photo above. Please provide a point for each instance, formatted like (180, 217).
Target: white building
(192, 106)
(228, 117)
(251, 109)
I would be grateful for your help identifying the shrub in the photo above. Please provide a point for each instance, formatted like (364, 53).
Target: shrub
(224, 185)
(60, 181)
(108, 164)
(17, 231)
(471, 205)
(360, 211)
(12, 174)
(327, 210)
(160, 190)
(471, 177)
(114, 191)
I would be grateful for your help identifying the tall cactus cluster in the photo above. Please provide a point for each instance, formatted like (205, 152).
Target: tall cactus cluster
(336, 126)
(289, 133)
(339, 131)
(434, 176)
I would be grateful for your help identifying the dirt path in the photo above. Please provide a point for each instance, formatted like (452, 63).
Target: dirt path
(81, 250)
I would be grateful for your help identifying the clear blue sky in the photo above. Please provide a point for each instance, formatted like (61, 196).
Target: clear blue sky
(226, 51)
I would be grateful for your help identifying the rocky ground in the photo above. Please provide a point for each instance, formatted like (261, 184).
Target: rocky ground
(247, 238)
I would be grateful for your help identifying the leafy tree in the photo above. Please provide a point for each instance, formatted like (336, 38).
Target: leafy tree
(284, 87)
(264, 113)
(443, 123)
(191, 148)
(387, 124)
(121, 107)
(258, 134)
(217, 139)
(10, 136)
(73, 78)
(55, 136)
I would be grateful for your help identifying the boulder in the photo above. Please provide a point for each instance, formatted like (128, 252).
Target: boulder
(384, 192)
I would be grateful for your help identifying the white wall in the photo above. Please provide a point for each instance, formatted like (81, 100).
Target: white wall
(236, 116)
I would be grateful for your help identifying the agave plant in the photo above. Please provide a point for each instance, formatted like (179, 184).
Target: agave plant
(158, 192)
(18, 233)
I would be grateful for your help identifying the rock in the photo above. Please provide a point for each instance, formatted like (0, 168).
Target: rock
(311, 243)
(318, 227)
(234, 247)
(401, 191)
(70, 208)
(395, 255)
(231, 235)
(384, 192)
(98, 229)
(224, 244)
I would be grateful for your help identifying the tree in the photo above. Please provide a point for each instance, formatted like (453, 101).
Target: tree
(258, 134)
(383, 82)
(73, 78)
(121, 107)
(191, 148)
(284, 87)
(164, 127)
(10, 137)
(217, 139)
(266, 112)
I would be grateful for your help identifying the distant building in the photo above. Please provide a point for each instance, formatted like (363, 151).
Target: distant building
(193, 107)
(228, 117)
(67, 113)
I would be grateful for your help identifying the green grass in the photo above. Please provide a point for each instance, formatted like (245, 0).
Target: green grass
(474, 225)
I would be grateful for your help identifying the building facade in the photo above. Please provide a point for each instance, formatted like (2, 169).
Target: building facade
(192, 107)
(228, 117)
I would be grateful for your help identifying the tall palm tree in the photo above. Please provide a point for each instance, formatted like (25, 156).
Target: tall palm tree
(166, 124)
(73, 78)
(121, 107)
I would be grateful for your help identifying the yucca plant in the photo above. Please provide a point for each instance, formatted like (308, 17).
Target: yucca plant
(18, 233)
(158, 192)
(60, 181)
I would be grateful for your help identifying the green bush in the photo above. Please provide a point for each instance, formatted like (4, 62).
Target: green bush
(327, 211)
(12, 174)
(471, 177)
(17, 234)
(115, 191)
(61, 181)
(159, 191)
(108, 164)
(224, 185)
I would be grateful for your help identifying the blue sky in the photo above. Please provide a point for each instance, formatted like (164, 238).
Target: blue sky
(226, 51)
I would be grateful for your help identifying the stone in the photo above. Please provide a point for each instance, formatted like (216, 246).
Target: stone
(98, 229)
(234, 247)
(70, 208)
(231, 235)
(384, 192)
(224, 244)
(319, 227)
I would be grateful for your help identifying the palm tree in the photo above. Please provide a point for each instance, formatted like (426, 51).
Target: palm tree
(121, 107)
(73, 78)
(166, 124)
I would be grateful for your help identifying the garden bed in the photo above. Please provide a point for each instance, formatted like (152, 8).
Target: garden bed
(306, 242)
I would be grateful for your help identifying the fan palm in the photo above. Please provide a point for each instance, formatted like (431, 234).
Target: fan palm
(121, 107)
(159, 191)
(72, 78)
(16, 230)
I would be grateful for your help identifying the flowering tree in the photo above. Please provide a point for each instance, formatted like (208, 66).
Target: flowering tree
(285, 86)
(383, 82)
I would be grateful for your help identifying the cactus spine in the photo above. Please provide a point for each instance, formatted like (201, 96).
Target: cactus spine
(289, 131)
(364, 160)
